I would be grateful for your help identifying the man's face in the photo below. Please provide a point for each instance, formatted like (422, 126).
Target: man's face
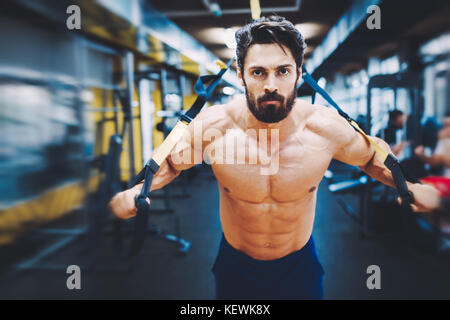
(399, 122)
(270, 78)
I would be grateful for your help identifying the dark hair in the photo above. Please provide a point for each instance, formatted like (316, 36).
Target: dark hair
(273, 29)
(394, 115)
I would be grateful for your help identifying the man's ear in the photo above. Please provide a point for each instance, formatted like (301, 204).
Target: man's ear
(299, 75)
(240, 76)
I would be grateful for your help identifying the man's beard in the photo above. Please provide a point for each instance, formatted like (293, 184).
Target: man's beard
(270, 113)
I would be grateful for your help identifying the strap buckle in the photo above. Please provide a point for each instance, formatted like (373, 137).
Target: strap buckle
(185, 118)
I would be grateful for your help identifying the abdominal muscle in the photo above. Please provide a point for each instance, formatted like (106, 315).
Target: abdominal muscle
(268, 230)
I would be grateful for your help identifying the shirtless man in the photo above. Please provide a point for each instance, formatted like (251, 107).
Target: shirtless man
(267, 251)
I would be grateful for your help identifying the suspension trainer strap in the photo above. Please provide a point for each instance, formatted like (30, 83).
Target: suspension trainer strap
(152, 166)
(389, 160)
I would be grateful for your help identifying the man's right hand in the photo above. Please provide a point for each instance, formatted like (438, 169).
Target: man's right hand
(122, 204)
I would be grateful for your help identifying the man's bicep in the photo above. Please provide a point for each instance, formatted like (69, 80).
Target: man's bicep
(356, 151)
(190, 148)
(182, 157)
(351, 147)
(188, 151)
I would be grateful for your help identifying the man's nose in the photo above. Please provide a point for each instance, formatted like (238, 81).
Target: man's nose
(270, 85)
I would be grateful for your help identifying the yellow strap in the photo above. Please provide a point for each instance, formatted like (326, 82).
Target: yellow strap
(169, 143)
(221, 64)
(378, 150)
(256, 9)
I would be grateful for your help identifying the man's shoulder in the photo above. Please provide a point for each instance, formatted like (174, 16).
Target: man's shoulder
(318, 117)
(212, 114)
(219, 115)
(325, 122)
(230, 110)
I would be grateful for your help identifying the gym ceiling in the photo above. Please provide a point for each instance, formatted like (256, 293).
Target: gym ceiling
(405, 24)
(313, 17)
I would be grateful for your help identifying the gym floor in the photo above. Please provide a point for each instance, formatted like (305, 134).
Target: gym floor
(160, 272)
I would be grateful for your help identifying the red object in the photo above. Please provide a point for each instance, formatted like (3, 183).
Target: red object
(440, 183)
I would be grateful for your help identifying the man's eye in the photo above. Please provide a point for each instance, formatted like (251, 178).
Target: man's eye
(257, 73)
(284, 71)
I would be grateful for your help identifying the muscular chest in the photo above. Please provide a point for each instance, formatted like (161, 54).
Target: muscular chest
(264, 172)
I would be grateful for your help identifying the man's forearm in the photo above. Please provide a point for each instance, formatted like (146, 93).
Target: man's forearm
(383, 174)
(380, 173)
(163, 177)
(426, 198)
(378, 170)
(376, 167)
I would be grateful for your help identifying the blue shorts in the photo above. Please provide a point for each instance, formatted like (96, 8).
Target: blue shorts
(295, 276)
